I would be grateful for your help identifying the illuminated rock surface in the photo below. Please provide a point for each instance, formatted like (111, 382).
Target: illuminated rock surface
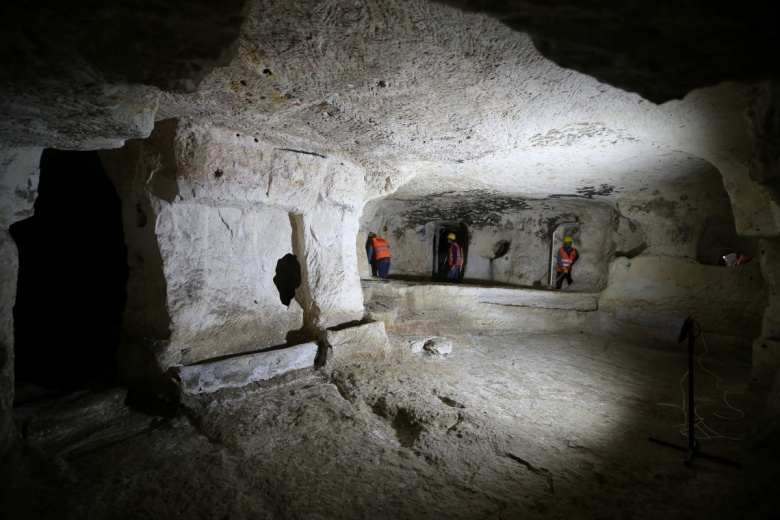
(253, 145)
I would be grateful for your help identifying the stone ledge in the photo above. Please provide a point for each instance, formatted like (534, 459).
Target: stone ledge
(540, 299)
(508, 296)
(239, 371)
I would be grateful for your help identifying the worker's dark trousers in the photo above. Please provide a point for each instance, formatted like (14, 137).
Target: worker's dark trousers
(383, 267)
(561, 277)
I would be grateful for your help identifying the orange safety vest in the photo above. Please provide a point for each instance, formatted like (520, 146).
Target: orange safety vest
(567, 259)
(381, 249)
(455, 256)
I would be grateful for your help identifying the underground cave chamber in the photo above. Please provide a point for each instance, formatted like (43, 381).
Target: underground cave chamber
(215, 257)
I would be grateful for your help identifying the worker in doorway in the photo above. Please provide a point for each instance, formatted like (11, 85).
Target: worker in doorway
(378, 255)
(567, 257)
(455, 259)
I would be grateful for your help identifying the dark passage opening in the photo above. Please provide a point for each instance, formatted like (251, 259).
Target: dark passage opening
(72, 275)
(441, 248)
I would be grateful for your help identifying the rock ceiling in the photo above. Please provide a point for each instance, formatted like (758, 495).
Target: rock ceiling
(452, 100)
(426, 97)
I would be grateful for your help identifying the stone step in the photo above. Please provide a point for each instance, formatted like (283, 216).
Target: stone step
(237, 371)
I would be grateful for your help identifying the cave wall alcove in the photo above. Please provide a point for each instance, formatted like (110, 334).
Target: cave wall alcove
(641, 252)
(508, 238)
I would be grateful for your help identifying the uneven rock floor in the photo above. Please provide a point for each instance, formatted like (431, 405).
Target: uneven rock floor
(507, 427)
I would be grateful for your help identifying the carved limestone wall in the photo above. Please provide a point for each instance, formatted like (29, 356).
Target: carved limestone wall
(507, 245)
(688, 220)
(681, 219)
(688, 227)
(18, 189)
(649, 297)
(766, 348)
(208, 216)
(764, 127)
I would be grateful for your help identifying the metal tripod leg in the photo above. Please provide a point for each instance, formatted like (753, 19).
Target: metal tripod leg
(691, 450)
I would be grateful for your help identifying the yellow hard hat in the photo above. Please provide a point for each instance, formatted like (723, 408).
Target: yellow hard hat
(451, 236)
(372, 234)
(567, 239)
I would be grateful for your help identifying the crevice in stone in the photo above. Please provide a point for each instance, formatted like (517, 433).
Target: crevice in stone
(450, 402)
(302, 151)
(348, 325)
(407, 427)
(538, 471)
(342, 389)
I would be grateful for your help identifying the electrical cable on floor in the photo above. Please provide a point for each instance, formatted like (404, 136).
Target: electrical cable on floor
(737, 413)
(700, 425)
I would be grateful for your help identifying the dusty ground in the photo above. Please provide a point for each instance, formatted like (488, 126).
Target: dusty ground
(507, 427)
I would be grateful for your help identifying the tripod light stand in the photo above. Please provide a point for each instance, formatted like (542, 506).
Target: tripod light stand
(688, 332)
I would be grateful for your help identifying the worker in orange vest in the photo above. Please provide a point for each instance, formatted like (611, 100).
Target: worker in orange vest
(566, 258)
(455, 259)
(378, 255)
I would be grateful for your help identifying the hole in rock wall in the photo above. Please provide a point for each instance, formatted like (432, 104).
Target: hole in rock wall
(501, 248)
(72, 276)
(288, 277)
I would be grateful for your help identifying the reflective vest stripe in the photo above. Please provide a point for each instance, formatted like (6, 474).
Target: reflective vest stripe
(381, 249)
